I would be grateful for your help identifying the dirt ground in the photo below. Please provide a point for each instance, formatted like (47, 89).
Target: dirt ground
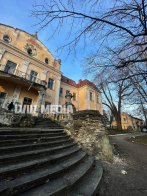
(130, 158)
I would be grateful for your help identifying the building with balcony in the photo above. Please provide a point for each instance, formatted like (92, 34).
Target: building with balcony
(30, 74)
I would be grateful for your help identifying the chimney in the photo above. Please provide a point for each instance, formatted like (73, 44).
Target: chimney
(80, 82)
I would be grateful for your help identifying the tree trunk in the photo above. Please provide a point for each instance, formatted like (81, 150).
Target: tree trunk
(119, 127)
(118, 122)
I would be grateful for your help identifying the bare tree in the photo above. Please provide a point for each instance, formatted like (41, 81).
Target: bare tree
(116, 29)
(115, 94)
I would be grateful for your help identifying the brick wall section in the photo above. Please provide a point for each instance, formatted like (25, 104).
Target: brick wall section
(55, 65)
(32, 41)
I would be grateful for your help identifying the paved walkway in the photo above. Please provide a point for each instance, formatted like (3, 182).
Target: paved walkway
(134, 161)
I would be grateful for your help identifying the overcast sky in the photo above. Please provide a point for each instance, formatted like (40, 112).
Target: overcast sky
(16, 14)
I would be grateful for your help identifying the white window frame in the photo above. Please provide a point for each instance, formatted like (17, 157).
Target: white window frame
(17, 65)
(36, 76)
(75, 96)
(53, 84)
(91, 96)
(97, 99)
(61, 95)
(4, 99)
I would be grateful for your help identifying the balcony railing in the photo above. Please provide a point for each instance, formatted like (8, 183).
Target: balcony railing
(11, 70)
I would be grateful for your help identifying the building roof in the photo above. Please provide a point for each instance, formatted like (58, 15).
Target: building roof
(80, 84)
(136, 118)
(68, 81)
(132, 116)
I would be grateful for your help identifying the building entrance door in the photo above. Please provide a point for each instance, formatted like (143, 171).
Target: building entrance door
(27, 101)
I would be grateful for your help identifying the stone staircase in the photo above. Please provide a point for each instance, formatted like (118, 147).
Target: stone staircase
(45, 162)
(45, 123)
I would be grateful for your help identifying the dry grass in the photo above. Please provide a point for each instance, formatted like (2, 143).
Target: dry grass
(139, 139)
(114, 132)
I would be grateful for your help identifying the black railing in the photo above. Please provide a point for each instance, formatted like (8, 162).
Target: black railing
(11, 70)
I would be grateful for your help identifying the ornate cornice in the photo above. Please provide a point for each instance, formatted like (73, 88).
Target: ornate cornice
(31, 57)
(2, 50)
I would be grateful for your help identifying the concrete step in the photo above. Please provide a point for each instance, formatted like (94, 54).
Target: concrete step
(36, 146)
(29, 155)
(90, 185)
(26, 131)
(43, 119)
(63, 186)
(49, 125)
(44, 161)
(28, 136)
(46, 126)
(30, 141)
(17, 169)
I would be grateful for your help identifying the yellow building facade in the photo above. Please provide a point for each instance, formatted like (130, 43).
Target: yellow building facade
(30, 74)
(129, 122)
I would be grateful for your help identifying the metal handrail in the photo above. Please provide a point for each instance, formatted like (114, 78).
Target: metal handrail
(11, 70)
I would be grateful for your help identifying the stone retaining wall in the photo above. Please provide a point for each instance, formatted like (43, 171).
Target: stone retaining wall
(89, 132)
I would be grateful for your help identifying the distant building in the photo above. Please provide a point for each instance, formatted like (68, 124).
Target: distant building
(129, 122)
(30, 74)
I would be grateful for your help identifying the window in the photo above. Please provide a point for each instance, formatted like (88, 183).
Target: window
(124, 119)
(50, 83)
(27, 101)
(97, 99)
(10, 67)
(29, 51)
(33, 76)
(2, 98)
(47, 103)
(47, 107)
(67, 80)
(67, 91)
(74, 96)
(6, 38)
(46, 60)
(91, 96)
(61, 92)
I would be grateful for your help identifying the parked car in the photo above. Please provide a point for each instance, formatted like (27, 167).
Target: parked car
(144, 129)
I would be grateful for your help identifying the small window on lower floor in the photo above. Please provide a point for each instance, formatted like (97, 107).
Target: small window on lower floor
(67, 91)
(74, 96)
(97, 99)
(61, 92)
(47, 104)
(2, 98)
(91, 96)
(50, 83)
